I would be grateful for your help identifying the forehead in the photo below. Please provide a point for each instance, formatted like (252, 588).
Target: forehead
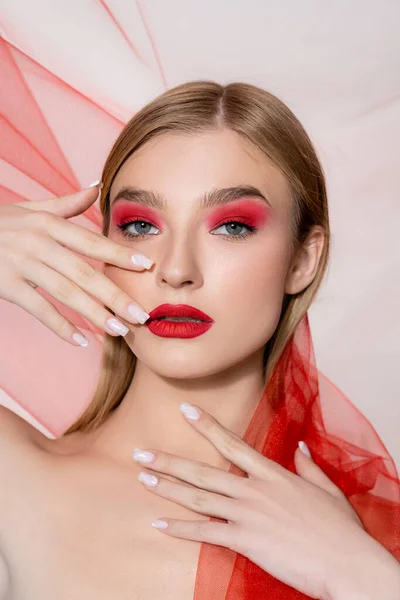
(175, 164)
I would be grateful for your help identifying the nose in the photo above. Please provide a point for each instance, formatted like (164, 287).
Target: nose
(179, 265)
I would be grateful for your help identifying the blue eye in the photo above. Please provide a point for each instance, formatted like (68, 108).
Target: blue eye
(143, 225)
(233, 227)
(142, 229)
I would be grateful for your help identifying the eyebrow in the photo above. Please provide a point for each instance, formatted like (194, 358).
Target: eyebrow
(209, 199)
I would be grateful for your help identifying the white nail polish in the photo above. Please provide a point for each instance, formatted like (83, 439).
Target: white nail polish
(160, 524)
(80, 339)
(95, 183)
(117, 327)
(138, 314)
(189, 411)
(304, 448)
(147, 479)
(142, 455)
(142, 261)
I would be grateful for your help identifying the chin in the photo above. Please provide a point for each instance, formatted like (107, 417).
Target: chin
(179, 363)
(185, 369)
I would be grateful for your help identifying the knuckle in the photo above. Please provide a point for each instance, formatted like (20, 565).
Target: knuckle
(63, 326)
(199, 499)
(42, 218)
(201, 475)
(43, 309)
(92, 240)
(230, 443)
(167, 463)
(116, 298)
(53, 317)
(65, 288)
(85, 273)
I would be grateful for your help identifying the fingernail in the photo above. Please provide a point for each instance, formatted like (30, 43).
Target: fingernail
(160, 524)
(304, 448)
(142, 261)
(147, 479)
(189, 411)
(138, 314)
(117, 327)
(143, 455)
(95, 183)
(80, 339)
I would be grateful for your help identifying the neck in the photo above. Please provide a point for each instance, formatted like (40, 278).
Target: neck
(149, 416)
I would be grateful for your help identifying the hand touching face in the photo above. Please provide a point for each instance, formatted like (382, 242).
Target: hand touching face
(229, 260)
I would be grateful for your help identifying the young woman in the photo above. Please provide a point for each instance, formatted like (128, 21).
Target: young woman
(208, 390)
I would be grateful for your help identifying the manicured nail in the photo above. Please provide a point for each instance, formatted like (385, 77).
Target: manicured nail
(304, 448)
(143, 455)
(80, 339)
(117, 327)
(95, 183)
(142, 261)
(138, 314)
(189, 411)
(147, 479)
(160, 524)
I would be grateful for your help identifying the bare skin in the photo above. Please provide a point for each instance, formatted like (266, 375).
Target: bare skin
(82, 526)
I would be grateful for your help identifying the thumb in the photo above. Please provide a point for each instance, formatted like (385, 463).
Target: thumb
(310, 471)
(66, 206)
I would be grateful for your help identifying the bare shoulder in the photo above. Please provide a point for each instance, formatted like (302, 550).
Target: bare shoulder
(16, 432)
(18, 442)
(14, 429)
(22, 454)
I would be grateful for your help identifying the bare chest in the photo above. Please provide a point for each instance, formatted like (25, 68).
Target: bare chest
(86, 533)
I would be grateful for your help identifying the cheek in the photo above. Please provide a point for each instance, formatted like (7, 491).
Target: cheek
(253, 289)
(252, 274)
(126, 280)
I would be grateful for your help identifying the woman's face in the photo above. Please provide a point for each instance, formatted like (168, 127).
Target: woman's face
(229, 260)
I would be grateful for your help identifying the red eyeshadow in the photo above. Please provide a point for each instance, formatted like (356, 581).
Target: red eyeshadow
(124, 212)
(251, 212)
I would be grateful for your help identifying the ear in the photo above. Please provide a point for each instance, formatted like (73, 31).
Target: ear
(305, 261)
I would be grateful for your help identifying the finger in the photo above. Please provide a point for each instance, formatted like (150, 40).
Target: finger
(46, 313)
(91, 244)
(67, 206)
(71, 295)
(197, 474)
(230, 445)
(307, 469)
(310, 471)
(201, 501)
(93, 281)
(221, 534)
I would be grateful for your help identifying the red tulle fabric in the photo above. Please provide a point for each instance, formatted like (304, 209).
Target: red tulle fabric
(41, 116)
(342, 443)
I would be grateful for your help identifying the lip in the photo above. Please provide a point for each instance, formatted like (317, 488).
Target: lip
(174, 329)
(179, 310)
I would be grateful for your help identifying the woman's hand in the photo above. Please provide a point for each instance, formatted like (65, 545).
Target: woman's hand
(300, 528)
(35, 244)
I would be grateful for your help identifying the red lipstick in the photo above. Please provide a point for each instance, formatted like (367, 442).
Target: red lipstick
(161, 325)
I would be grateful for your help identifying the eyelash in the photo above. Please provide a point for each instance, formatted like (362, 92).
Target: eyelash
(251, 229)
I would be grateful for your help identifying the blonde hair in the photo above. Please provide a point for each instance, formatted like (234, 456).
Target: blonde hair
(264, 120)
